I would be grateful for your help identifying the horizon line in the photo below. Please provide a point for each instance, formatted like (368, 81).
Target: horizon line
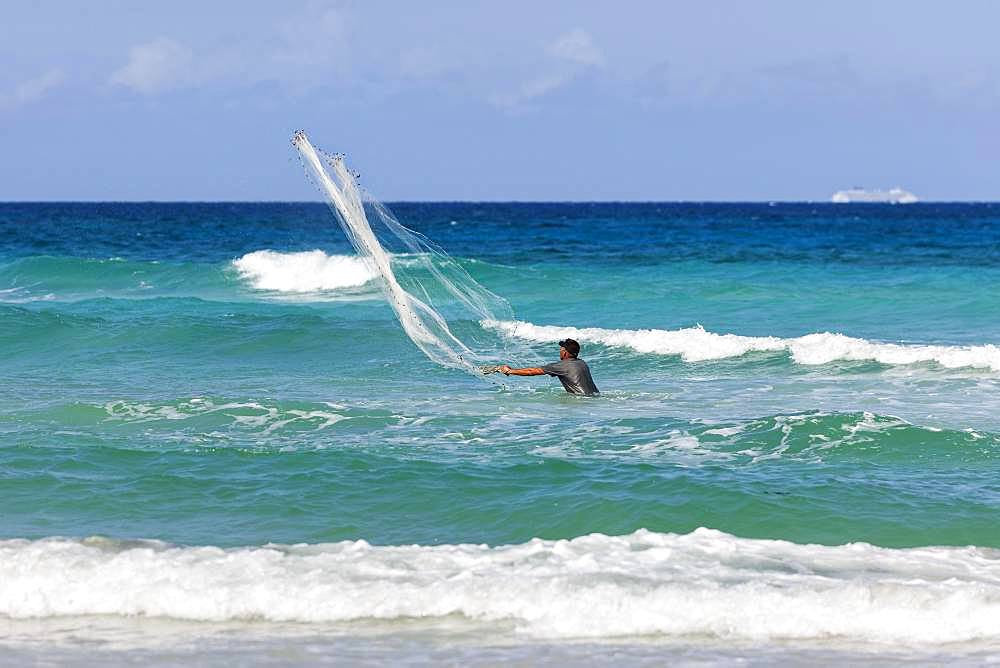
(495, 201)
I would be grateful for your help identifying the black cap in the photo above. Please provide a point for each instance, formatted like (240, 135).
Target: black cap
(571, 346)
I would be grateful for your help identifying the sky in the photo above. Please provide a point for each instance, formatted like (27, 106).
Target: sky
(440, 100)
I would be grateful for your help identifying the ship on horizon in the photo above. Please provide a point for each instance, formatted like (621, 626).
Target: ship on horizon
(857, 194)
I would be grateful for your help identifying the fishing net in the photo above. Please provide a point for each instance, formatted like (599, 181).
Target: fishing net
(439, 305)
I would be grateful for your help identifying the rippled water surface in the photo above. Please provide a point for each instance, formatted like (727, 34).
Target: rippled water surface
(208, 405)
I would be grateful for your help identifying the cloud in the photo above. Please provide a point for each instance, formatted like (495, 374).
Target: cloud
(777, 86)
(32, 90)
(311, 48)
(569, 55)
(155, 66)
(576, 46)
(303, 49)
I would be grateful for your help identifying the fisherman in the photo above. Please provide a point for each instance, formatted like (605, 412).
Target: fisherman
(572, 372)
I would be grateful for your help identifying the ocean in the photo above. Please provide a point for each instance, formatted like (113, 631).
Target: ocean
(217, 445)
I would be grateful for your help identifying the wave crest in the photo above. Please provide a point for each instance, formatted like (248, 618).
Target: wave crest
(305, 271)
(695, 344)
(703, 583)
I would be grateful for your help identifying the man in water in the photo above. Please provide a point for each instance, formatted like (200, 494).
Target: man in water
(572, 372)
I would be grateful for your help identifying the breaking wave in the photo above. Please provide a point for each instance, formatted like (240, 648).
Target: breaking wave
(703, 583)
(306, 271)
(695, 344)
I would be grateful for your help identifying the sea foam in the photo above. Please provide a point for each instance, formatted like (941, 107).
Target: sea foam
(695, 344)
(703, 583)
(306, 271)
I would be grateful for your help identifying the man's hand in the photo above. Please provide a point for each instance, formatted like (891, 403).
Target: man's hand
(505, 369)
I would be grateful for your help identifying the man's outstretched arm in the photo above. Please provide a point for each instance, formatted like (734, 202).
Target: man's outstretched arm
(526, 371)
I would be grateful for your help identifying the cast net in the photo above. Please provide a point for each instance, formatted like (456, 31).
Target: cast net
(439, 305)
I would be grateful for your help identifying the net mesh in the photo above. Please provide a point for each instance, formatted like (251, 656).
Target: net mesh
(440, 306)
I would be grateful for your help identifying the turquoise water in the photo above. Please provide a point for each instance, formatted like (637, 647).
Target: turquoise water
(160, 387)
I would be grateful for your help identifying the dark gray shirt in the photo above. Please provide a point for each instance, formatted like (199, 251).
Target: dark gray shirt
(574, 374)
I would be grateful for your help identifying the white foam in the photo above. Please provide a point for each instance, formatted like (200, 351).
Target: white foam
(694, 344)
(703, 583)
(247, 414)
(306, 271)
(18, 295)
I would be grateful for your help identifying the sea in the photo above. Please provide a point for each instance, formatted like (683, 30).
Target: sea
(219, 447)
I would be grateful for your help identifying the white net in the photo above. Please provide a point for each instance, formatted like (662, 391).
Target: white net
(439, 305)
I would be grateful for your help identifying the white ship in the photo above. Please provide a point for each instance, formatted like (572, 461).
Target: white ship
(891, 196)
